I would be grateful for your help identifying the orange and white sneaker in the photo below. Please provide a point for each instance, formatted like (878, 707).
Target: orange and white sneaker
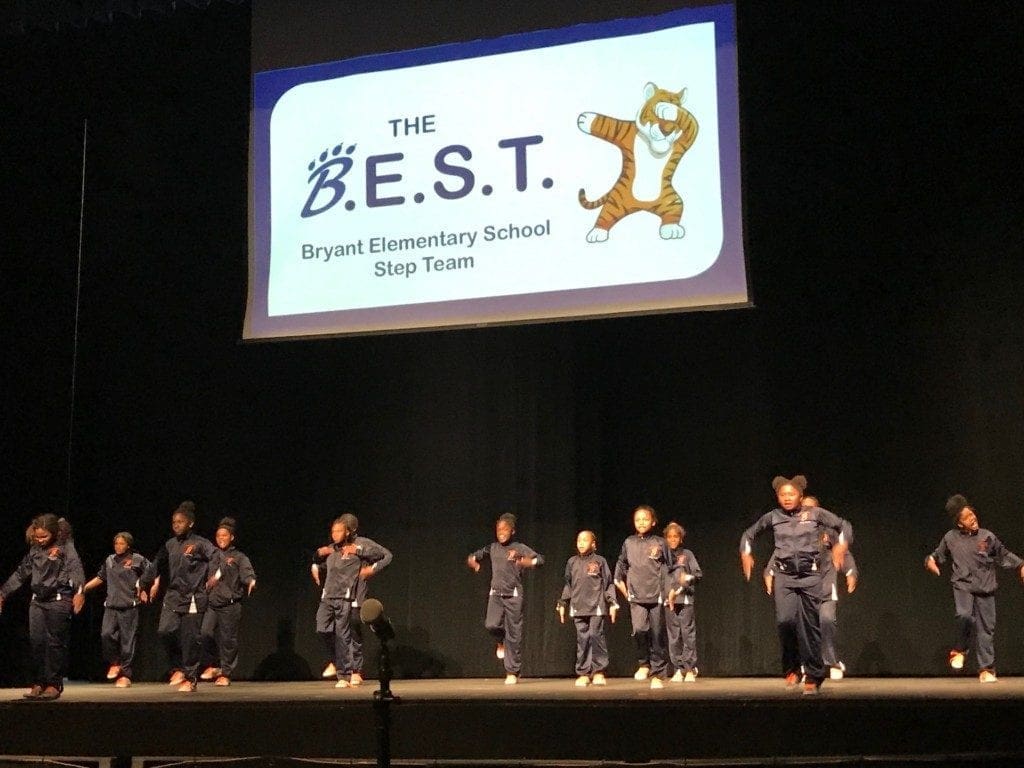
(582, 681)
(113, 672)
(187, 687)
(956, 660)
(642, 673)
(123, 682)
(987, 676)
(691, 676)
(499, 650)
(599, 679)
(356, 679)
(210, 673)
(792, 678)
(177, 677)
(812, 688)
(656, 682)
(511, 679)
(342, 683)
(329, 671)
(222, 680)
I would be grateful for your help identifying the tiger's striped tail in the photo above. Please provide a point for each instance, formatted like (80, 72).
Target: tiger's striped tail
(591, 205)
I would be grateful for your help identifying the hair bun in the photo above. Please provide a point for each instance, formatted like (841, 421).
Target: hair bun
(955, 503)
(797, 481)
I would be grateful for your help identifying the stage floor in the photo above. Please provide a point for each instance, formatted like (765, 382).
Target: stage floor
(549, 720)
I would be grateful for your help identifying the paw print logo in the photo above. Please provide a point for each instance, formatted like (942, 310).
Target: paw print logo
(325, 175)
(593, 569)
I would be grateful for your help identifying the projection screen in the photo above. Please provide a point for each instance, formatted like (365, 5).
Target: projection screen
(568, 173)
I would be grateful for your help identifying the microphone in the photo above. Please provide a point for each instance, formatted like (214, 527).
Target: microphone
(372, 614)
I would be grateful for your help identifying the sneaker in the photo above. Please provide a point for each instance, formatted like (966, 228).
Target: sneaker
(582, 681)
(113, 672)
(678, 676)
(329, 671)
(792, 678)
(987, 676)
(33, 692)
(123, 682)
(342, 683)
(642, 673)
(177, 677)
(656, 682)
(187, 687)
(356, 679)
(811, 688)
(837, 672)
(599, 679)
(956, 660)
(691, 676)
(51, 692)
(499, 650)
(210, 673)
(222, 681)
(511, 679)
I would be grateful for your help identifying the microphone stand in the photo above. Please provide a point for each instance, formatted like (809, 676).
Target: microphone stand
(382, 699)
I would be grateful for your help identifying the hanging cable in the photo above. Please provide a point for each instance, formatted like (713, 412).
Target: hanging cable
(78, 301)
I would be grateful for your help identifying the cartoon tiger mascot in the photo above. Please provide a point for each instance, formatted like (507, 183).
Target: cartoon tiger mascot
(651, 147)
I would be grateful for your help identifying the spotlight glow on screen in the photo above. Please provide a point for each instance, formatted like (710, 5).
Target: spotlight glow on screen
(581, 172)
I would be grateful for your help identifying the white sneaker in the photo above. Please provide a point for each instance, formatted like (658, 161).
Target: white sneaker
(656, 682)
(691, 676)
(511, 679)
(342, 684)
(956, 660)
(599, 679)
(678, 676)
(642, 673)
(837, 672)
(499, 651)
(987, 676)
(582, 681)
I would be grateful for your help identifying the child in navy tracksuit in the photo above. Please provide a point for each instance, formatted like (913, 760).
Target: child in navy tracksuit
(46, 570)
(975, 553)
(119, 632)
(680, 623)
(186, 557)
(236, 580)
(828, 617)
(590, 596)
(640, 574)
(504, 618)
(339, 567)
(797, 566)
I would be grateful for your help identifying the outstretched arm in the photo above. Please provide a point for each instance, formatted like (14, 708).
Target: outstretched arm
(747, 540)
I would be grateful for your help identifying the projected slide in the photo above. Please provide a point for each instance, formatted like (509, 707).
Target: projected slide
(571, 173)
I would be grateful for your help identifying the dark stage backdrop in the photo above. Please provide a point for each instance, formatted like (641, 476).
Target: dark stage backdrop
(883, 200)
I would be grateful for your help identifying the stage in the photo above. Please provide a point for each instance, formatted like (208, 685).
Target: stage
(712, 721)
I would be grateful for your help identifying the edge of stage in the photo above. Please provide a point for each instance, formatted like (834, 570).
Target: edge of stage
(541, 719)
